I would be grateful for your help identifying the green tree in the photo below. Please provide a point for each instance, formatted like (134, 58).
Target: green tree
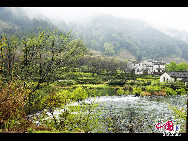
(109, 49)
(182, 66)
(172, 66)
(38, 57)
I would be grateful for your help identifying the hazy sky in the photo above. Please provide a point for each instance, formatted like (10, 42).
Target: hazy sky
(175, 17)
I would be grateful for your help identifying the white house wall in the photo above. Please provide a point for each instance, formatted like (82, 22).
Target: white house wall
(167, 78)
(155, 67)
(179, 78)
(146, 65)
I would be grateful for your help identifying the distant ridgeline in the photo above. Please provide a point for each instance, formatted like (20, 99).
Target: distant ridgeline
(18, 22)
(111, 35)
(108, 35)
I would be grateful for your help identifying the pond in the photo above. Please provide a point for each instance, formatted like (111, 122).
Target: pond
(139, 114)
(131, 114)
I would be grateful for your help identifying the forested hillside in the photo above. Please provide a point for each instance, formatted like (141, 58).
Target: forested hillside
(112, 35)
(105, 35)
(16, 21)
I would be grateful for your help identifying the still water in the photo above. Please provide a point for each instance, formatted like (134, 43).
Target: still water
(139, 114)
(130, 114)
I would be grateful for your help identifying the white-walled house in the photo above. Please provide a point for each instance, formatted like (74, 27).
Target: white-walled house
(158, 67)
(173, 76)
(138, 68)
(148, 67)
(165, 77)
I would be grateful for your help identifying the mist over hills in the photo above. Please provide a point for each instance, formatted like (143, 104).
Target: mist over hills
(15, 20)
(133, 36)
(107, 35)
(179, 34)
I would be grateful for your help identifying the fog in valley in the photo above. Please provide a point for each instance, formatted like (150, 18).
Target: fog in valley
(171, 17)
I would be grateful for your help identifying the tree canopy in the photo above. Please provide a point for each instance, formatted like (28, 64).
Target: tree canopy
(172, 66)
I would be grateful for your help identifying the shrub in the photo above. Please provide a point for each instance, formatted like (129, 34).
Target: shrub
(155, 82)
(13, 98)
(87, 117)
(128, 88)
(65, 93)
(137, 90)
(52, 101)
(131, 82)
(120, 91)
(180, 115)
(12, 101)
(181, 91)
(79, 94)
(145, 93)
(153, 89)
(34, 103)
(170, 91)
(116, 82)
(89, 80)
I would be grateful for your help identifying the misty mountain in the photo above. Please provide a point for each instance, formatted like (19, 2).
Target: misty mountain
(134, 37)
(105, 34)
(15, 20)
(179, 34)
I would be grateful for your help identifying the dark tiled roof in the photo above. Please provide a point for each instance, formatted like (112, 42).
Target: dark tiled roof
(160, 68)
(178, 74)
(184, 80)
(158, 63)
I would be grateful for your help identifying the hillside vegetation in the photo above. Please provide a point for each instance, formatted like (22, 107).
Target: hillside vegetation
(110, 36)
(136, 37)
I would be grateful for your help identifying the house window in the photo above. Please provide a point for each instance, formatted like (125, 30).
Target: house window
(163, 79)
(167, 79)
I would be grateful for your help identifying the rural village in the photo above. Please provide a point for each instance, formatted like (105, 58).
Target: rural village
(154, 67)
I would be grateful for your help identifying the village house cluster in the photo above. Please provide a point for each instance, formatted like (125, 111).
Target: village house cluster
(147, 67)
(155, 67)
